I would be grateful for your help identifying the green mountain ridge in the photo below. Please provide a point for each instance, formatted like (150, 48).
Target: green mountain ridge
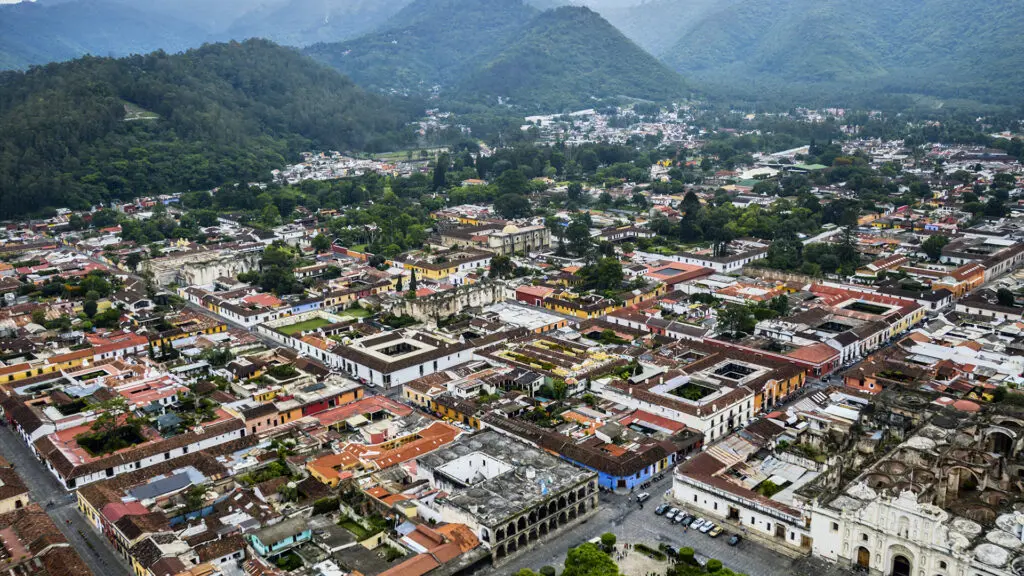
(481, 50)
(801, 48)
(568, 55)
(224, 113)
(428, 43)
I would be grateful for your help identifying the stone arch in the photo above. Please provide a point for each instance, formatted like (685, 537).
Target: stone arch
(961, 479)
(533, 534)
(900, 561)
(582, 508)
(562, 518)
(552, 507)
(500, 534)
(500, 551)
(1000, 440)
(572, 498)
(510, 529)
(522, 540)
(521, 523)
(561, 502)
(512, 547)
(543, 528)
(572, 513)
(533, 517)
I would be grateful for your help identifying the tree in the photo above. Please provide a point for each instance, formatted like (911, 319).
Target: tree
(511, 206)
(412, 281)
(501, 267)
(578, 236)
(588, 560)
(559, 389)
(735, 319)
(608, 541)
(39, 316)
(1006, 298)
(133, 260)
(512, 182)
(440, 171)
(606, 274)
(398, 285)
(575, 192)
(933, 246)
(270, 216)
(90, 307)
(321, 243)
(110, 413)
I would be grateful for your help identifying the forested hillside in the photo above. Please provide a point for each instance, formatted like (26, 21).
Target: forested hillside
(568, 56)
(428, 43)
(803, 48)
(481, 50)
(97, 129)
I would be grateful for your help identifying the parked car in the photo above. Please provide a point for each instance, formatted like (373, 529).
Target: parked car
(735, 539)
(643, 497)
(679, 517)
(707, 527)
(671, 513)
(661, 509)
(688, 519)
(698, 523)
(715, 532)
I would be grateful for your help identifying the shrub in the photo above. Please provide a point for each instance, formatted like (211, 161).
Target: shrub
(608, 541)
(714, 566)
(325, 505)
(686, 555)
(547, 571)
(650, 552)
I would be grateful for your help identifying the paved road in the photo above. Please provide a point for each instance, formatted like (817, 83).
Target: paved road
(44, 488)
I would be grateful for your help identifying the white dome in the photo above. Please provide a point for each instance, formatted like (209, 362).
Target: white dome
(510, 229)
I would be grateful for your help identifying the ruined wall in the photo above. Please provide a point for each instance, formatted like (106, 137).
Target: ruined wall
(450, 302)
(200, 268)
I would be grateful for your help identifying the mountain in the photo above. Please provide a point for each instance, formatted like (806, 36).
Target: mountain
(36, 33)
(480, 50)
(55, 30)
(428, 43)
(570, 55)
(98, 129)
(305, 22)
(834, 48)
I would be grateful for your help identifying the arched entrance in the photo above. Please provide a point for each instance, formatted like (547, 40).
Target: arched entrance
(900, 565)
(863, 557)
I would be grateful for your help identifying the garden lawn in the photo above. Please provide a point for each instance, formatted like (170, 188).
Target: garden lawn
(305, 325)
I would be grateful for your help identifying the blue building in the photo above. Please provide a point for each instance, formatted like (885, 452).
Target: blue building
(281, 537)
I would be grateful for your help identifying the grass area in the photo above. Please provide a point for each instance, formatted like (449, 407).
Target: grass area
(135, 112)
(691, 391)
(358, 531)
(304, 326)
(355, 313)
(358, 247)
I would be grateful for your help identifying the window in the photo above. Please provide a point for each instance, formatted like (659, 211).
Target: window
(167, 455)
(835, 527)
(864, 537)
(942, 564)
(716, 505)
(694, 497)
(753, 520)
